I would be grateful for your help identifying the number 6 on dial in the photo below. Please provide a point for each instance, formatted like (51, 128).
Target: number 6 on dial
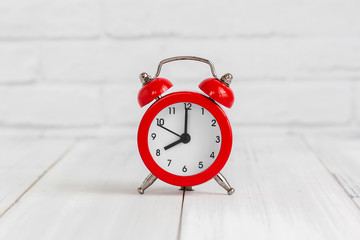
(185, 138)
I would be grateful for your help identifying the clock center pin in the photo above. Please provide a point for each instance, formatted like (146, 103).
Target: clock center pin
(185, 138)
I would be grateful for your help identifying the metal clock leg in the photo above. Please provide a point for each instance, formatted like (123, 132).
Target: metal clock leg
(221, 180)
(149, 180)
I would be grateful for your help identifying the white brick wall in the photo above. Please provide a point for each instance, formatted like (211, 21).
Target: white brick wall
(19, 62)
(356, 91)
(231, 18)
(37, 19)
(74, 64)
(293, 103)
(50, 106)
(247, 59)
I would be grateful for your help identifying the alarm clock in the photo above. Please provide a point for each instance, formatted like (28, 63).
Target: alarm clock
(185, 138)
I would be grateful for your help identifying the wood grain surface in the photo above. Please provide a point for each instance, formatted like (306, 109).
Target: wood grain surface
(287, 187)
(23, 163)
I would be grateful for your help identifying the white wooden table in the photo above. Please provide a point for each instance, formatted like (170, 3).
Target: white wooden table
(287, 187)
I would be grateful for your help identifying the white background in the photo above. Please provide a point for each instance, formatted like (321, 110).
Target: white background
(69, 165)
(71, 67)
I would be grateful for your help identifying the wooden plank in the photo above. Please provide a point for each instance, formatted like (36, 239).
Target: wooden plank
(282, 192)
(341, 157)
(91, 194)
(22, 163)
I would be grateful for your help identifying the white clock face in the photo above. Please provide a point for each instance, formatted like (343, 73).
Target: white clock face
(184, 139)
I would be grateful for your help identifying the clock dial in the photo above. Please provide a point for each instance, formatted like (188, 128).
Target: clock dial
(184, 139)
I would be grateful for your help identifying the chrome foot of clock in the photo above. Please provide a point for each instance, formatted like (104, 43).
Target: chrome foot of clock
(149, 180)
(221, 180)
(186, 188)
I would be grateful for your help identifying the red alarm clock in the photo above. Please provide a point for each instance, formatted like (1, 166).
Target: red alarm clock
(185, 138)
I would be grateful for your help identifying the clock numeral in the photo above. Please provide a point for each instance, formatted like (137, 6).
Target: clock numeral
(169, 160)
(153, 135)
(212, 155)
(213, 123)
(217, 139)
(201, 165)
(157, 152)
(188, 106)
(202, 111)
(171, 110)
(160, 121)
(184, 169)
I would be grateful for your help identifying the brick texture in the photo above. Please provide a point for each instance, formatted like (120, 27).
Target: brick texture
(356, 91)
(121, 106)
(74, 64)
(48, 106)
(229, 18)
(292, 103)
(269, 59)
(19, 63)
(55, 19)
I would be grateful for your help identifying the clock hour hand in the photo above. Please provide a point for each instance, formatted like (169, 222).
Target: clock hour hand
(168, 130)
(173, 144)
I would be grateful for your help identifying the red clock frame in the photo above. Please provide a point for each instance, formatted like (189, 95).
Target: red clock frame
(220, 117)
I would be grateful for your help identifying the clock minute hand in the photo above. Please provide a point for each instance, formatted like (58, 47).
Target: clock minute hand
(186, 120)
(173, 144)
(168, 130)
